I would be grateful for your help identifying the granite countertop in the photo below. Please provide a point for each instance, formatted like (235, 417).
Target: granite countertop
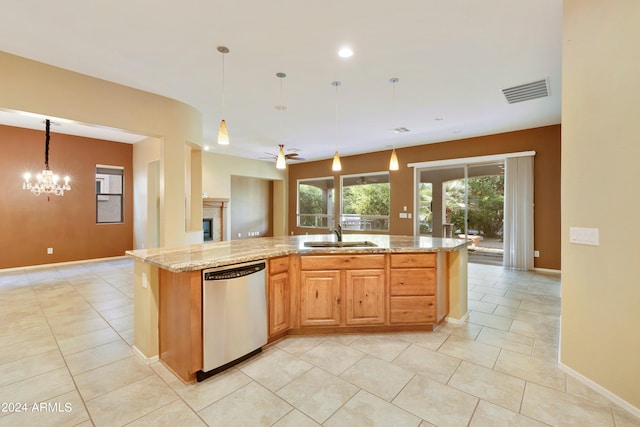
(217, 254)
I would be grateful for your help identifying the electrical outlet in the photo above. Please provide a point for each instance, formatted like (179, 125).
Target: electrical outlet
(403, 215)
(536, 254)
(49, 251)
(145, 280)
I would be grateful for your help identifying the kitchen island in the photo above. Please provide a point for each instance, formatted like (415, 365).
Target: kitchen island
(393, 283)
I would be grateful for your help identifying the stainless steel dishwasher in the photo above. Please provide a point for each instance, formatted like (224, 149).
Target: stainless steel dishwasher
(234, 315)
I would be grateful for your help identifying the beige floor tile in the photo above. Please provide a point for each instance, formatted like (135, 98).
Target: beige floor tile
(495, 387)
(534, 329)
(464, 330)
(490, 320)
(541, 308)
(507, 302)
(112, 303)
(38, 388)
(317, 394)
(203, 394)
(24, 330)
(298, 345)
(118, 312)
(365, 409)
(251, 405)
(531, 369)
(131, 402)
(386, 347)
(490, 415)
(296, 418)
(122, 323)
(436, 403)
(378, 377)
(74, 327)
(578, 389)
(64, 410)
(489, 290)
(545, 350)
(86, 341)
(43, 342)
(274, 369)
(427, 362)
(27, 367)
(561, 409)
(430, 340)
(475, 295)
(507, 340)
(104, 379)
(484, 307)
(471, 351)
(95, 357)
(176, 413)
(332, 356)
(505, 311)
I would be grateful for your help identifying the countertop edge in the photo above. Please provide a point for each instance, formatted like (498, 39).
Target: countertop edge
(181, 267)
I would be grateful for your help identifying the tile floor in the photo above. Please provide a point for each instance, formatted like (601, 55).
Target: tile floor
(66, 360)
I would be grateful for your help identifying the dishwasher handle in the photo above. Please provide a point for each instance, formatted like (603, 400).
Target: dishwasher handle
(233, 272)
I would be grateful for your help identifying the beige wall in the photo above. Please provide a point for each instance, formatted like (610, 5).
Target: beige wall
(146, 160)
(217, 170)
(600, 152)
(250, 211)
(31, 86)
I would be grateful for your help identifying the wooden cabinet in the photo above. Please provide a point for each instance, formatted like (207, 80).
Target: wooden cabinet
(278, 296)
(365, 297)
(412, 288)
(342, 290)
(320, 300)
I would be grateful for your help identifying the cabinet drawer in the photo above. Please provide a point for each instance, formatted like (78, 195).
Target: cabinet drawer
(413, 260)
(412, 310)
(341, 262)
(278, 265)
(413, 281)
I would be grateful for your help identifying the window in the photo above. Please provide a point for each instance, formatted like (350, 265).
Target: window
(365, 202)
(109, 186)
(315, 202)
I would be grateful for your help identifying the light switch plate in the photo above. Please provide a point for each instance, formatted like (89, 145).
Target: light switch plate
(403, 214)
(584, 236)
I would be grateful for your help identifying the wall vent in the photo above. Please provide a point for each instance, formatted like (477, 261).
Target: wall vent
(527, 91)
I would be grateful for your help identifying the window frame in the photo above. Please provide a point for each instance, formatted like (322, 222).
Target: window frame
(330, 215)
(102, 197)
(342, 204)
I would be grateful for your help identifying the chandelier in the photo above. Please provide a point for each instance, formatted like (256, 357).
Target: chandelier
(46, 182)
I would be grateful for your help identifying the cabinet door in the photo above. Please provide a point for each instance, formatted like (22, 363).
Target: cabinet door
(320, 298)
(278, 303)
(365, 297)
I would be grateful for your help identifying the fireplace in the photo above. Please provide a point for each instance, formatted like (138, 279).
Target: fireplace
(207, 224)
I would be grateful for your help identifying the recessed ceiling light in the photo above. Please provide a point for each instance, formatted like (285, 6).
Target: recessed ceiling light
(439, 118)
(280, 107)
(345, 52)
(400, 130)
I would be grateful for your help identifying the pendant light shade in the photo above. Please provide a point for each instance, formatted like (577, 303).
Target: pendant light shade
(281, 162)
(393, 162)
(223, 134)
(336, 166)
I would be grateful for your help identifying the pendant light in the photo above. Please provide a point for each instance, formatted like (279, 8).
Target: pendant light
(393, 161)
(336, 165)
(281, 160)
(223, 134)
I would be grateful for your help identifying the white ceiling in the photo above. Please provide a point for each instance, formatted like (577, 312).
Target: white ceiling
(452, 59)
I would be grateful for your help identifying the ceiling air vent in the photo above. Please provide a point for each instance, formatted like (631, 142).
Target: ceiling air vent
(527, 92)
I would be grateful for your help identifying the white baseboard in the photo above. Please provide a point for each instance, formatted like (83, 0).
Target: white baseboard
(603, 391)
(60, 264)
(143, 358)
(547, 270)
(458, 321)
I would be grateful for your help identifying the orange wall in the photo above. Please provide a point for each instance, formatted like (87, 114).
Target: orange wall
(545, 141)
(29, 225)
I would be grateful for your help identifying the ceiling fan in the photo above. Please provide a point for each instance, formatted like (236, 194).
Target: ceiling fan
(291, 155)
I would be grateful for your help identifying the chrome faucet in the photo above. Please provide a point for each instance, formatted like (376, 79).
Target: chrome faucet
(338, 232)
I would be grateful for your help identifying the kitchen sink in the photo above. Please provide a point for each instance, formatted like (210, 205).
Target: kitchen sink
(321, 244)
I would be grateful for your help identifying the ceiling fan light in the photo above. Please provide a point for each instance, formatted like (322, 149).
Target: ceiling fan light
(336, 166)
(223, 134)
(393, 161)
(281, 162)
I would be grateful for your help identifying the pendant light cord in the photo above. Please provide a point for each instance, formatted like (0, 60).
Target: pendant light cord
(46, 145)
(223, 54)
